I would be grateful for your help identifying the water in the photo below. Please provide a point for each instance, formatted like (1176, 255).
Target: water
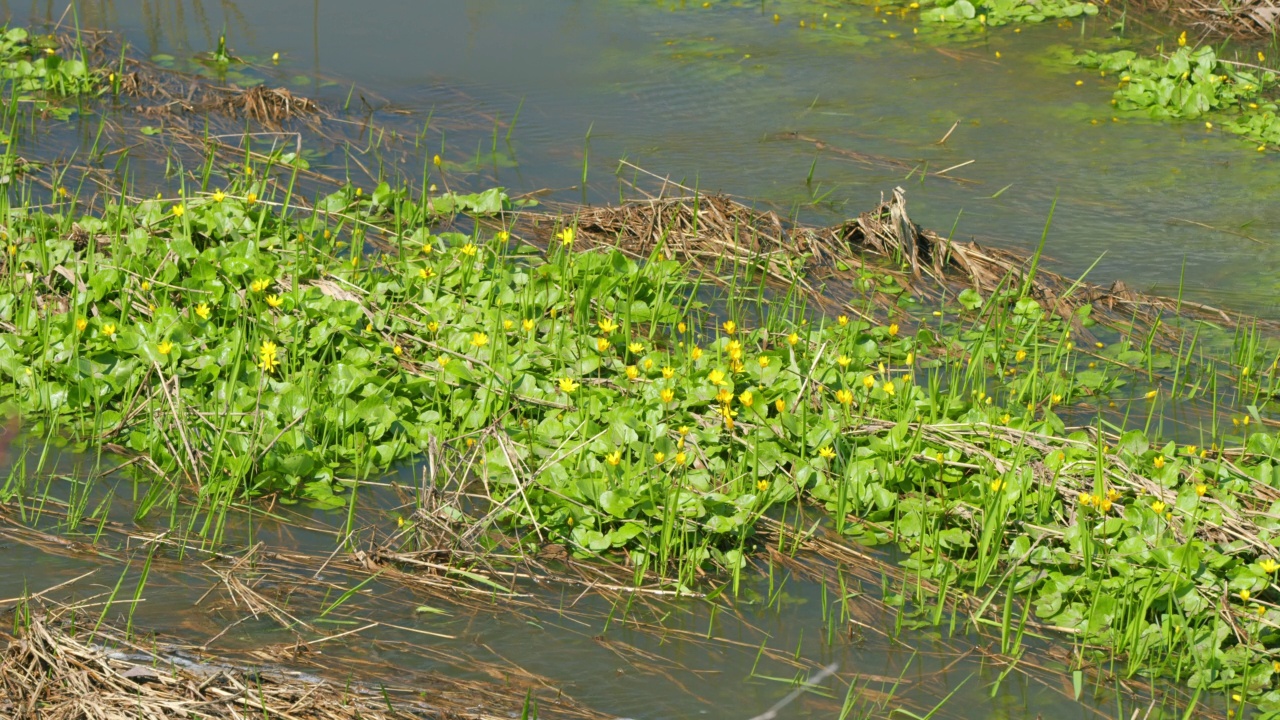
(725, 99)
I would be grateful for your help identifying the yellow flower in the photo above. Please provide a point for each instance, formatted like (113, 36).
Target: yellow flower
(682, 430)
(844, 397)
(479, 339)
(1085, 499)
(1245, 595)
(444, 360)
(566, 236)
(1152, 394)
(1201, 489)
(178, 210)
(667, 395)
(762, 486)
(13, 249)
(109, 329)
(259, 285)
(681, 327)
(427, 249)
(893, 329)
(218, 196)
(888, 387)
(435, 160)
(62, 191)
(203, 310)
(602, 344)
(1182, 39)
(792, 339)
(843, 320)
(433, 326)
(507, 324)
(696, 352)
(1269, 566)
(668, 372)
(648, 364)
(397, 350)
(780, 405)
(81, 324)
(146, 285)
(1158, 462)
(527, 324)
(730, 327)
(746, 398)
(843, 361)
(1020, 356)
(716, 377)
(763, 361)
(868, 381)
(633, 372)
(659, 457)
(251, 198)
(426, 273)
(826, 452)
(635, 348)
(725, 396)
(996, 485)
(1157, 507)
(911, 358)
(165, 347)
(274, 301)
(503, 236)
(568, 385)
(267, 356)
(469, 250)
(607, 326)
(613, 458)
(1104, 505)
(681, 458)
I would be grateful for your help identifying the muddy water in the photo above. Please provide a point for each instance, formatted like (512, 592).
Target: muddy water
(721, 98)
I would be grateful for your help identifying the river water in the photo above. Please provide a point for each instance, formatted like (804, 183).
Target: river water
(725, 98)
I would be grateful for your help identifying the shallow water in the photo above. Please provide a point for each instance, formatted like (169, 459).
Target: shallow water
(721, 98)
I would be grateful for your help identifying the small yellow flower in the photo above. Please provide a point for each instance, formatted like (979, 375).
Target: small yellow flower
(1245, 595)
(633, 372)
(1269, 566)
(1151, 394)
(503, 236)
(996, 485)
(566, 236)
(659, 457)
(275, 58)
(1182, 39)
(426, 273)
(763, 361)
(725, 396)
(730, 327)
(826, 452)
(911, 358)
(844, 397)
(469, 250)
(109, 329)
(146, 285)
(219, 196)
(792, 339)
(780, 405)
(479, 339)
(435, 160)
(1085, 499)
(602, 344)
(614, 458)
(267, 356)
(62, 191)
(178, 210)
(433, 326)
(843, 361)
(251, 198)
(1201, 489)
(1020, 356)
(1005, 418)
(668, 372)
(81, 324)
(1158, 462)
(444, 360)
(746, 398)
(762, 485)
(716, 377)
(397, 350)
(508, 324)
(1104, 505)
(274, 301)
(681, 458)
(568, 385)
(202, 310)
(1157, 507)
(682, 431)
(527, 324)
(868, 381)
(843, 320)
(165, 347)
(893, 329)
(607, 326)
(259, 285)
(635, 348)
(696, 352)
(12, 249)
(667, 395)
(888, 388)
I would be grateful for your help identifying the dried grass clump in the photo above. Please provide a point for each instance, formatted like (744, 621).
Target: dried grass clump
(1232, 18)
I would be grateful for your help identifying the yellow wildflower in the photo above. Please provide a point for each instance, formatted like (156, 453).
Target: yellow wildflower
(667, 395)
(826, 452)
(780, 405)
(843, 320)
(844, 397)
(443, 360)
(259, 285)
(1151, 395)
(81, 324)
(681, 327)
(1201, 489)
(716, 377)
(602, 344)
(792, 339)
(659, 457)
(178, 210)
(1269, 566)
(109, 329)
(397, 350)
(868, 381)
(219, 196)
(1158, 462)
(165, 347)
(527, 325)
(996, 485)
(1157, 507)
(479, 339)
(681, 458)
(668, 372)
(725, 396)
(1085, 499)
(251, 198)
(469, 250)
(565, 236)
(911, 358)
(763, 361)
(568, 385)
(433, 326)
(762, 485)
(893, 329)
(635, 348)
(746, 398)
(888, 388)
(632, 372)
(274, 301)
(1182, 39)
(203, 310)
(730, 327)
(843, 361)
(508, 324)
(426, 273)
(435, 160)
(614, 458)
(607, 326)
(267, 356)
(1020, 356)
(1245, 595)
